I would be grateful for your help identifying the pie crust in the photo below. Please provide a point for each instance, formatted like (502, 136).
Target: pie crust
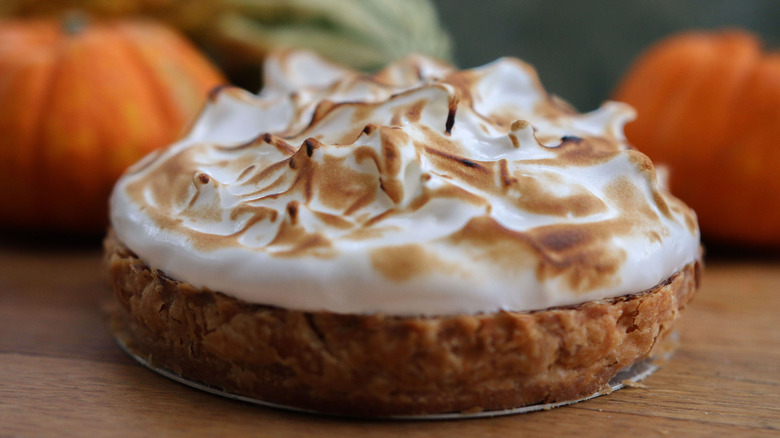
(383, 365)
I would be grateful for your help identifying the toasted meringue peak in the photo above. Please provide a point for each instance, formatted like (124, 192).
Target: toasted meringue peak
(418, 190)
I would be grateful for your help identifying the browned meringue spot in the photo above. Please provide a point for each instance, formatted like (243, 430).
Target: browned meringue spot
(342, 188)
(528, 192)
(361, 113)
(464, 81)
(390, 141)
(200, 241)
(446, 191)
(660, 201)
(487, 239)
(635, 211)
(679, 208)
(256, 213)
(293, 241)
(333, 220)
(406, 71)
(370, 232)
(164, 221)
(272, 179)
(690, 220)
(205, 213)
(583, 152)
(324, 108)
(170, 184)
(435, 141)
(362, 153)
(453, 192)
(208, 242)
(410, 113)
(647, 169)
(187, 189)
(405, 262)
(475, 173)
(579, 253)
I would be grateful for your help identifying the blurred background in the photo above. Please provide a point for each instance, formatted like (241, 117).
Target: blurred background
(581, 48)
(710, 113)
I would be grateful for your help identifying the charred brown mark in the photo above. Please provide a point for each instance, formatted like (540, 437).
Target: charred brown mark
(292, 211)
(565, 239)
(506, 179)
(368, 129)
(203, 178)
(464, 161)
(451, 116)
(570, 139)
(311, 144)
(281, 145)
(389, 151)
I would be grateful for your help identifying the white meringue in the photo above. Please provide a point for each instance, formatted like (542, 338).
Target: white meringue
(421, 190)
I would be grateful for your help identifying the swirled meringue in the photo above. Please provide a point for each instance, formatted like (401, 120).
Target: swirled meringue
(420, 190)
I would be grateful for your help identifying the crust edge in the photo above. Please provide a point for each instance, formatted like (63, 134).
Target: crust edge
(378, 365)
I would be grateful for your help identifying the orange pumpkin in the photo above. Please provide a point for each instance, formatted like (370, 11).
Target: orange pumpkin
(708, 106)
(81, 101)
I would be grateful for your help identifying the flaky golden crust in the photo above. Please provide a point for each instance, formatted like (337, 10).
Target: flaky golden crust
(376, 365)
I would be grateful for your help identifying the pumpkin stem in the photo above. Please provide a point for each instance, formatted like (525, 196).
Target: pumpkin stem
(74, 22)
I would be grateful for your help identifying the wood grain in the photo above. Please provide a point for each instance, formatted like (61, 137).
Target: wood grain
(62, 375)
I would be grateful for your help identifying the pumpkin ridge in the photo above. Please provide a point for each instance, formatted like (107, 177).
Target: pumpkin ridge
(15, 204)
(39, 204)
(92, 129)
(167, 107)
(104, 132)
(684, 91)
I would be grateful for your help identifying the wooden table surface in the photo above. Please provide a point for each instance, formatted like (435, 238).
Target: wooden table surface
(61, 374)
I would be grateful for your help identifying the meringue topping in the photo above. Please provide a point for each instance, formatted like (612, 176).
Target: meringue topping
(420, 190)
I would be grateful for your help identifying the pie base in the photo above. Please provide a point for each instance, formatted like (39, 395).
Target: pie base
(381, 365)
